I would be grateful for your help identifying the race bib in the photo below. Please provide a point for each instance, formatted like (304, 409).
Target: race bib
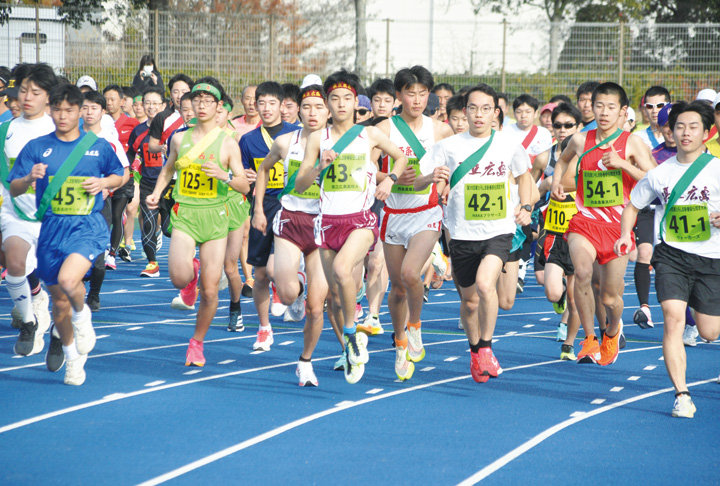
(687, 223)
(414, 164)
(603, 188)
(276, 177)
(195, 183)
(485, 202)
(346, 174)
(313, 192)
(72, 199)
(558, 215)
(150, 159)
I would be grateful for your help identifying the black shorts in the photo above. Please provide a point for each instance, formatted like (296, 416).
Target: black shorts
(260, 246)
(691, 278)
(557, 251)
(515, 256)
(126, 190)
(645, 226)
(467, 255)
(539, 263)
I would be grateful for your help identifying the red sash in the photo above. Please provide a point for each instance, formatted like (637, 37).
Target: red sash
(176, 124)
(530, 136)
(713, 133)
(138, 141)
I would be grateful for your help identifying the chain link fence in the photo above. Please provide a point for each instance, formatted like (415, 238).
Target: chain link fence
(542, 59)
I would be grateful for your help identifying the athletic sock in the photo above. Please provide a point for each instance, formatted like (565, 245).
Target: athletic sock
(485, 344)
(304, 360)
(19, 290)
(265, 328)
(642, 282)
(414, 325)
(349, 330)
(34, 282)
(474, 348)
(83, 314)
(401, 343)
(71, 352)
(376, 316)
(235, 306)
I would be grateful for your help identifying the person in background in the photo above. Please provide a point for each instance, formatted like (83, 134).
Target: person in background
(148, 75)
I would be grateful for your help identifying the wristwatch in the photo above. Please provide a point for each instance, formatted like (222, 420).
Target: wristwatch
(230, 176)
(527, 208)
(393, 178)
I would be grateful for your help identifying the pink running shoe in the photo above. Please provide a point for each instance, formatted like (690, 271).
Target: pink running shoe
(194, 355)
(189, 293)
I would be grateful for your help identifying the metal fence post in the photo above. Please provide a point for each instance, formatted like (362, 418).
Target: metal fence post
(387, 48)
(272, 46)
(504, 45)
(621, 53)
(156, 43)
(37, 33)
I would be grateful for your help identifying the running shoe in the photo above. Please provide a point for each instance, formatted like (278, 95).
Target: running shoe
(54, 357)
(361, 293)
(567, 353)
(75, 371)
(93, 301)
(371, 326)
(178, 304)
(124, 255)
(194, 355)
(404, 368)
(190, 292)
(306, 375)
(152, 270)
(158, 241)
(609, 349)
(26, 338)
(415, 349)
(353, 373)
(683, 407)
(296, 311)
(356, 346)
(223, 282)
(16, 318)
(264, 340)
(460, 324)
(690, 335)
(41, 306)
(622, 342)
(277, 308)
(358, 312)
(236, 322)
(439, 262)
(475, 371)
(247, 288)
(520, 286)
(340, 363)
(488, 363)
(559, 306)
(110, 262)
(132, 245)
(426, 293)
(590, 352)
(642, 318)
(84, 335)
(561, 332)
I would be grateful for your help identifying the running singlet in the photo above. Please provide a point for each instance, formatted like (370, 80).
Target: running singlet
(254, 147)
(193, 186)
(349, 183)
(138, 146)
(124, 126)
(405, 197)
(71, 200)
(602, 193)
(309, 201)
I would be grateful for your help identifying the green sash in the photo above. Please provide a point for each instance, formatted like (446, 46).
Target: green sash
(689, 175)
(4, 162)
(470, 162)
(612, 137)
(409, 136)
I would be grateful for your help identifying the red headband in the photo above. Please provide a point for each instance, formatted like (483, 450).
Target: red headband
(341, 85)
(313, 93)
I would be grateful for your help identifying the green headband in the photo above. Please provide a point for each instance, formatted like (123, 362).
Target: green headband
(227, 107)
(137, 99)
(209, 89)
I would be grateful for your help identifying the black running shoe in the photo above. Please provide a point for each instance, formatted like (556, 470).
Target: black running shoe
(54, 357)
(26, 339)
(520, 286)
(236, 322)
(124, 254)
(93, 301)
(246, 291)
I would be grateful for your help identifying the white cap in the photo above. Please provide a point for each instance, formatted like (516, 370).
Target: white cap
(630, 114)
(86, 81)
(309, 80)
(707, 94)
(716, 100)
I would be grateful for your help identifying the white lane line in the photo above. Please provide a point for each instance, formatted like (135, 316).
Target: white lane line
(115, 395)
(155, 383)
(649, 368)
(545, 319)
(634, 378)
(134, 328)
(661, 358)
(576, 417)
(428, 368)
(344, 403)
(374, 391)
(598, 401)
(147, 285)
(451, 358)
(617, 388)
(192, 372)
(285, 343)
(103, 336)
(258, 351)
(227, 361)
(527, 326)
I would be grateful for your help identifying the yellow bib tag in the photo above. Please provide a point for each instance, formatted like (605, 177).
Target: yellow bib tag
(485, 202)
(347, 173)
(603, 188)
(558, 215)
(687, 223)
(195, 183)
(276, 177)
(72, 199)
(413, 163)
(313, 192)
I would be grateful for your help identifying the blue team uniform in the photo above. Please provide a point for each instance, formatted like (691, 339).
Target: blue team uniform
(73, 222)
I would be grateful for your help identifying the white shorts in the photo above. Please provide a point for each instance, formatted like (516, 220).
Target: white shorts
(12, 225)
(398, 229)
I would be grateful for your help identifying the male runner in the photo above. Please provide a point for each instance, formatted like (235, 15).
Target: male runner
(444, 92)
(382, 98)
(585, 105)
(655, 98)
(290, 106)
(456, 115)
(687, 260)
(168, 120)
(251, 119)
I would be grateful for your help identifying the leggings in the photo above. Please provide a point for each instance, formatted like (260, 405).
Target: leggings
(118, 208)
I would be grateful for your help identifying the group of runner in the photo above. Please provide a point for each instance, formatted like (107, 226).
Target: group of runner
(326, 191)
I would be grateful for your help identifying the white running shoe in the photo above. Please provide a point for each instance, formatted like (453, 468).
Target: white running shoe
(264, 340)
(340, 363)
(683, 407)
(356, 347)
(438, 262)
(178, 304)
(690, 335)
(84, 333)
(223, 282)
(415, 349)
(353, 373)
(642, 318)
(460, 324)
(277, 308)
(403, 368)
(41, 306)
(75, 371)
(371, 326)
(305, 374)
(296, 311)
(561, 332)
(110, 262)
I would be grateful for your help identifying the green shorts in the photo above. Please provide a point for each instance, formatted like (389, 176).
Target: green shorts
(239, 209)
(202, 223)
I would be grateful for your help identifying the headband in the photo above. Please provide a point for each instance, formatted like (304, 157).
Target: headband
(208, 88)
(227, 107)
(342, 85)
(312, 93)
(137, 99)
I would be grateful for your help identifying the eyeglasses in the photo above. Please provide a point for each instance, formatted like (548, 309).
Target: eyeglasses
(650, 106)
(567, 126)
(202, 102)
(362, 111)
(485, 109)
(150, 103)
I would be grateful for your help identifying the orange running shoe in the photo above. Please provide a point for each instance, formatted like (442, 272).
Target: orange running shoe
(609, 349)
(590, 352)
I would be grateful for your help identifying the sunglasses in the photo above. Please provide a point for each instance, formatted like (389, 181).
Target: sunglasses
(362, 111)
(567, 126)
(650, 106)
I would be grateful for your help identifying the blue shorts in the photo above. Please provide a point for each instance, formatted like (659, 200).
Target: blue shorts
(60, 236)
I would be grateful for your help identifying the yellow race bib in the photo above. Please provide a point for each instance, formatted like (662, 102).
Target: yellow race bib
(72, 199)
(195, 183)
(485, 202)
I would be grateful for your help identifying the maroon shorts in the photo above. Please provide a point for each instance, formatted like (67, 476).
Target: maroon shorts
(331, 231)
(601, 235)
(297, 228)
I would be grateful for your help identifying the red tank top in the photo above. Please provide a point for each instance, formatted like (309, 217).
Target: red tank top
(603, 188)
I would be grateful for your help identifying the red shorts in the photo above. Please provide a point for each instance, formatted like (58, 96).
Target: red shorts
(601, 235)
(331, 231)
(297, 228)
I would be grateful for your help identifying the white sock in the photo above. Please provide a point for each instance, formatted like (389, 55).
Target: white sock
(71, 352)
(266, 328)
(19, 290)
(82, 315)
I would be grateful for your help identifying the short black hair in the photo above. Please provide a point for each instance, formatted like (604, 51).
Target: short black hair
(657, 91)
(503, 96)
(43, 76)
(382, 85)
(342, 76)
(186, 97)
(66, 92)
(445, 86)
(406, 77)
(180, 77)
(463, 91)
(97, 98)
(20, 72)
(291, 91)
(455, 102)
(212, 82)
(585, 88)
(703, 109)
(130, 91)
(525, 99)
(568, 109)
(500, 117)
(269, 88)
(156, 90)
(116, 88)
(482, 88)
(561, 98)
(611, 89)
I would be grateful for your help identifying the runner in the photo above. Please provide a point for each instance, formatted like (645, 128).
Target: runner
(456, 115)
(444, 92)
(293, 228)
(605, 177)
(655, 98)
(202, 157)
(382, 98)
(346, 229)
(73, 232)
(480, 222)
(290, 106)
(251, 119)
(687, 259)
(585, 105)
